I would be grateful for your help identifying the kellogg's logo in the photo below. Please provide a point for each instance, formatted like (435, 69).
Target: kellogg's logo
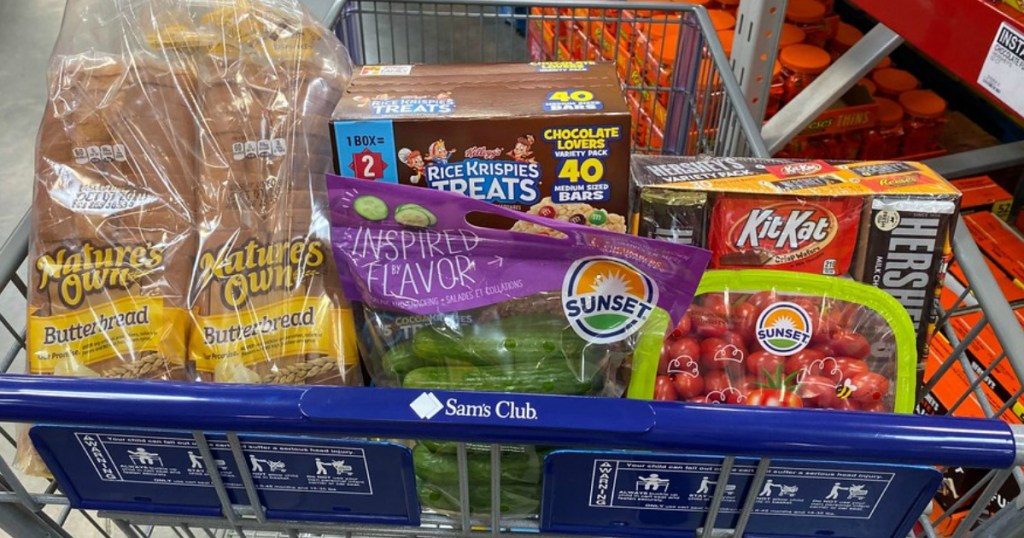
(483, 152)
(783, 328)
(607, 299)
(790, 226)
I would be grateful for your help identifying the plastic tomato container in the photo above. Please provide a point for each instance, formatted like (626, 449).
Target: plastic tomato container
(801, 64)
(809, 16)
(925, 119)
(893, 82)
(783, 339)
(846, 37)
(882, 140)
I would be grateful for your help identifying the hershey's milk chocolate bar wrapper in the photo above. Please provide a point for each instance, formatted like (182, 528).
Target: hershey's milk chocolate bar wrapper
(673, 215)
(904, 248)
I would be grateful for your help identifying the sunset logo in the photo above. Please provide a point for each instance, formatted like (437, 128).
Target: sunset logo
(784, 329)
(606, 299)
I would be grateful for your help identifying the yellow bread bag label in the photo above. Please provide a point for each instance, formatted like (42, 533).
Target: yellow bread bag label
(129, 326)
(303, 325)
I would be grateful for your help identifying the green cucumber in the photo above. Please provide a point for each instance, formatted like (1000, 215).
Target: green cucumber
(483, 450)
(370, 207)
(550, 378)
(400, 360)
(441, 468)
(516, 499)
(519, 340)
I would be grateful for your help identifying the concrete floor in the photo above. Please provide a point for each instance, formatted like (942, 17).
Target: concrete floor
(27, 33)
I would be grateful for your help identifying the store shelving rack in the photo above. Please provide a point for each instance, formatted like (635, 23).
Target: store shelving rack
(956, 34)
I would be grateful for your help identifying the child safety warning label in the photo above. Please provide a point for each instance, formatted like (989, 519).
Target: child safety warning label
(272, 466)
(785, 491)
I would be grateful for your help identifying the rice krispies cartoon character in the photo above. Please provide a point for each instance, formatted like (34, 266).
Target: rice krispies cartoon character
(438, 153)
(413, 159)
(521, 152)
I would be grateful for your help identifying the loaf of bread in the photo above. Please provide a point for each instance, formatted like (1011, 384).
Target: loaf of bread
(267, 303)
(179, 229)
(113, 241)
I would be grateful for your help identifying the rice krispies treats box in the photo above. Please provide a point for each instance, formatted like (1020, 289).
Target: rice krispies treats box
(549, 138)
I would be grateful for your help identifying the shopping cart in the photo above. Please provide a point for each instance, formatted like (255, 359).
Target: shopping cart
(236, 445)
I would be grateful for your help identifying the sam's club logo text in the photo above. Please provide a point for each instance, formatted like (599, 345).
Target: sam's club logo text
(503, 182)
(428, 405)
(607, 299)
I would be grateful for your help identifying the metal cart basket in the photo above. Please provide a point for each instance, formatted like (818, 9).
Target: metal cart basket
(692, 105)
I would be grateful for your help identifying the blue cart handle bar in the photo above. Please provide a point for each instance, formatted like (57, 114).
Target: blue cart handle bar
(514, 418)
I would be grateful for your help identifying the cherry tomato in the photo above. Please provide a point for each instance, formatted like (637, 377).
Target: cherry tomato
(811, 307)
(663, 389)
(701, 400)
(715, 302)
(840, 404)
(825, 367)
(802, 359)
(728, 395)
(744, 320)
(734, 339)
(688, 386)
(773, 398)
(707, 323)
(825, 348)
(683, 327)
(817, 391)
(721, 388)
(871, 387)
(760, 362)
(763, 299)
(711, 349)
(875, 407)
(850, 344)
(824, 327)
(852, 367)
(680, 356)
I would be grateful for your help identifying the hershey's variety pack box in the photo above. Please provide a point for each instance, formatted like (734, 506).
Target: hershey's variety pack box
(886, 223)
(550, 138)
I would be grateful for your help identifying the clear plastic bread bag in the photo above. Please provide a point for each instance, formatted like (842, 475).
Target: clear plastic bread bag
(179, 226)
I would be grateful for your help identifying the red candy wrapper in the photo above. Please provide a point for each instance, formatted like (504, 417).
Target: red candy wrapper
(809, 235)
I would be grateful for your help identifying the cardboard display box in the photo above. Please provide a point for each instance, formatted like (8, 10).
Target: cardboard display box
(981, 193)
(550, 138)
(880, 222)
